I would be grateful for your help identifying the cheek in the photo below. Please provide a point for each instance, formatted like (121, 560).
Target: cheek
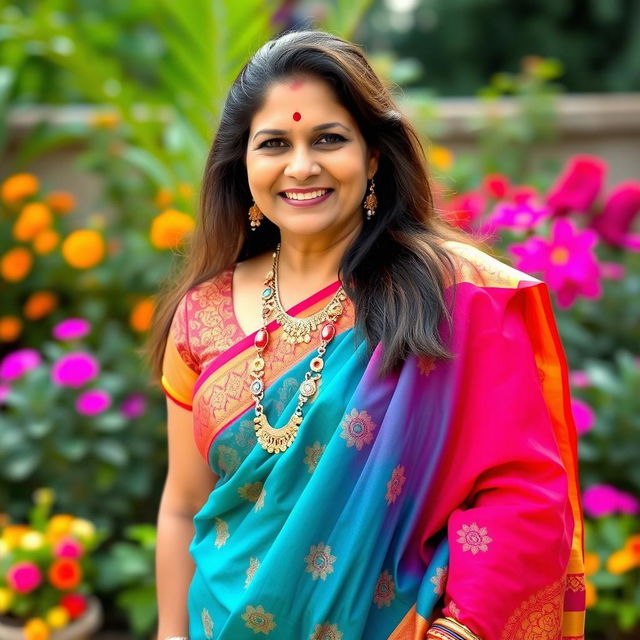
(261, 173)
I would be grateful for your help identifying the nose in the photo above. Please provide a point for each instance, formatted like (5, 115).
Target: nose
(301, 165)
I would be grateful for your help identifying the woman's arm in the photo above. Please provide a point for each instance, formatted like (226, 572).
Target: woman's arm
(188, 485)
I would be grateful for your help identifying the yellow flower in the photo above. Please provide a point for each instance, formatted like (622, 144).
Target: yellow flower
(621, 561)
(44, 496)
(10, 328)
(12, 534)
(83, 249)
(59, 526)
(169, 228)
(4, 548)
(105, 120)
(46, 241)
(6, 598)
(83, 529)
(34, 218)
(591, 594)
(16, 264)
(57, 617)
(39, 305)
(185, 190)
(19, 186)
(61, 201)
(36, 629)
(141, 315)
(441, 157)
(32, 540)
(591, 563)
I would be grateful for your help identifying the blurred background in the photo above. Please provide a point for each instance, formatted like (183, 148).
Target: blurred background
(530, 117)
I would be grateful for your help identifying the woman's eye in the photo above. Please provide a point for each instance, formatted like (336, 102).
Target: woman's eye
(273, 143)
(331, 138)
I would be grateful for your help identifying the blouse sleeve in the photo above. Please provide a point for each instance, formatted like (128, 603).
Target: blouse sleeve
(515, 544)
(179, 367)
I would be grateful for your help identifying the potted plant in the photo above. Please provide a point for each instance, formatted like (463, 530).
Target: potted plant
(45, 576)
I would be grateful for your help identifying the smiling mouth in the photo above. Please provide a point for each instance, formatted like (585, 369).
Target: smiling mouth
(295, 196)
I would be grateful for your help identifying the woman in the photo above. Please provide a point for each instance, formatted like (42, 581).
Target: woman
(383, 440)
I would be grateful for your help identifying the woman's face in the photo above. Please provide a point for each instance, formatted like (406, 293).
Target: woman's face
(307, 162)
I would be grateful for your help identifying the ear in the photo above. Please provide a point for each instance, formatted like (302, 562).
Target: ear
(372, 162)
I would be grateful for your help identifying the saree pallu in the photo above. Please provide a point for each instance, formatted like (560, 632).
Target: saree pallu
(446, 488)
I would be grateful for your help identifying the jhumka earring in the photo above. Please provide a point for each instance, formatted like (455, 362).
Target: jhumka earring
(255, 216)
(371, 201)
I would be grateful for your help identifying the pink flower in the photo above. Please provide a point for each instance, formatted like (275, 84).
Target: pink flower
(4, 392)
(496, 185)
(17, 363)
(519, 216)
(463, 209)
(567, 261)
(579, 379)
(583, 415)
(620, 210)
(93, 402)
(523, 193)
(133, 406)
(71, 329)
(75, 369)
(612, 270)
(24, 576)
(578, 186)
(604, 499)
(68, 547)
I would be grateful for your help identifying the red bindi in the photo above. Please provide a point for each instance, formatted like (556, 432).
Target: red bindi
(297, 116)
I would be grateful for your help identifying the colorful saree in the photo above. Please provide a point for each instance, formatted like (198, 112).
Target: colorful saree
(446, 489)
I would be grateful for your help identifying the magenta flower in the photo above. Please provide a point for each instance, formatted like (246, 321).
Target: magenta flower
(601, 500)
(75, 369)
(15, 364)
(133, 406)
(583, 415)
(567, 261)
(68, 547)
(71, 329)
(24, 576)
(93, 402)
(615, 222)
(520, 216)
(578, 186)
(579, 379)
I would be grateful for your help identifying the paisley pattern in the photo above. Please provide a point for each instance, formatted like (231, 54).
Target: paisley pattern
(313, 455)
(254, 565)
(539, 617)
(394, 486)
(440, 580)
(207, 623)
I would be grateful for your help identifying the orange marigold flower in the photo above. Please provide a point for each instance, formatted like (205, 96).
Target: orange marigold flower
(36, 629)
(39, 305)
(105, 120)
(34, 218)
(620, 561)
(163, 198)
(65, 574)
(10, 328)
(12, 534)
(83, 249)
(169, 228)
(633, 545)
(591, 563)
(19, 186)
(441, 157)
(46, 241)
(61, 201)
(60, 524)
(141, 315)
(16, 264)
(591, 594)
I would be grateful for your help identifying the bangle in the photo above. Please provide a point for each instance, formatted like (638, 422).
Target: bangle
(176, 638)
(450, 629)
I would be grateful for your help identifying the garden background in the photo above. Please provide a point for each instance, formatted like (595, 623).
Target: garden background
(532, 130)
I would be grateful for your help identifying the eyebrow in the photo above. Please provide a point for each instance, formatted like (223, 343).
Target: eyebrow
(281, 132)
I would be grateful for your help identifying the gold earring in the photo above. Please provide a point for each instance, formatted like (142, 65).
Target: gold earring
(371, 201)
(255, 216)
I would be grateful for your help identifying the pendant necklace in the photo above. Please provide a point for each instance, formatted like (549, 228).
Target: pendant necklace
(295, 330)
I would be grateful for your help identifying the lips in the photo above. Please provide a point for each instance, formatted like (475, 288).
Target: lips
(305, 195)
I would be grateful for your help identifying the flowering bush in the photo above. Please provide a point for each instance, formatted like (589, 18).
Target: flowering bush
(46, 569)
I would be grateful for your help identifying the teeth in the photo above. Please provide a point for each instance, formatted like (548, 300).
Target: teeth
(305, 196)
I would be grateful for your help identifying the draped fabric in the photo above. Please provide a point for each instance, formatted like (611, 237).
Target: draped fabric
(446, 488)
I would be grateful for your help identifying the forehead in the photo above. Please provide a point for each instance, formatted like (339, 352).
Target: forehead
(311, 97)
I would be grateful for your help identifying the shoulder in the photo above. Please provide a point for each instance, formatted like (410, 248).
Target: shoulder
(478, 267)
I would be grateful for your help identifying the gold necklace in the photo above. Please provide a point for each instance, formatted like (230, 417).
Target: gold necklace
(272, 439)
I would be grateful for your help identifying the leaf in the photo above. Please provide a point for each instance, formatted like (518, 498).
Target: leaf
(140, 605)
(21, 464)
(111, 451)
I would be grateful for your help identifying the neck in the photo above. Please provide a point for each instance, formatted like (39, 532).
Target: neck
(314, 261)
